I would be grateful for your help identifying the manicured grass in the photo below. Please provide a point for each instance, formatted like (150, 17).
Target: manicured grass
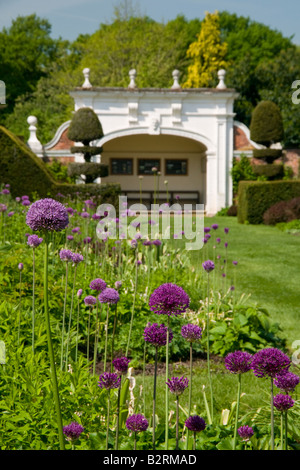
(268, 269)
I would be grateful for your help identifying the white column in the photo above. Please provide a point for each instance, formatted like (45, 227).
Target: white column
(211, 206)
(221, 161)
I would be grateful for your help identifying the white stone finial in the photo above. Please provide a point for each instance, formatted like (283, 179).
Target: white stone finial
(175, 75)
(221, 76)
(86, 74)
(33, 142)
(132, 75)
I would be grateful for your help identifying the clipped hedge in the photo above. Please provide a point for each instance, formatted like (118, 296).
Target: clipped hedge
(255, 197)
(28, 174)
(270, 171)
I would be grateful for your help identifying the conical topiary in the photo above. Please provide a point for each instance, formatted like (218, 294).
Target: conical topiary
(266, 125)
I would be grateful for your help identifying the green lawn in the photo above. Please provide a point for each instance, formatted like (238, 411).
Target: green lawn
(268, 269)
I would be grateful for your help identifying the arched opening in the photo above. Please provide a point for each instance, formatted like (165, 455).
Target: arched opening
(180, 161)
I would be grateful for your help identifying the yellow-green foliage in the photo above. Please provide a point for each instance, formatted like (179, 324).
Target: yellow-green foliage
(207, 54)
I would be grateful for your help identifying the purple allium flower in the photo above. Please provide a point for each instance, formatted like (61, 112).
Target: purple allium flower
(70, 237)
(79, 293)
(208, 266)
(66, 255)
(98, 285)
(34, 241)
(177, 385)
(287, 382)
(118, 285)
(226, 229)
(20, 266)
(234, 263)
(206, 229)
(109, 296)
(26, 202)
(77, 258)
(90, 300)
(87, 240)
(137, 423)
(85, 215)
(215, 226)
(283, 402)
(10, 214)
(157, 334)
(226, 244)
(245, 432)
(5, 191)
(3, 208)
(73, 431)
(169, 299)
(47, 215)
(109, 380)
(269, 362)
(191, 332)
(195, 423)
(156, 242)
(121, 364)
(238, 362)
(218, 240)
(18, 199)
(75, 230)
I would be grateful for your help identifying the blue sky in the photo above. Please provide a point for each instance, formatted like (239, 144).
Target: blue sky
(69, 18)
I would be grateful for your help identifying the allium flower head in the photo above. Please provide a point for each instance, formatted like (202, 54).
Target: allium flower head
(20, 266)
(109, 296)
(283, 402)
(73, 431)
(177, 385)
(208, 266)
(109, 380)
(245, 432)
(287, 382)
(238, 362)
(79, 293)
(121, 364)
(3, 208)
(77, 258)
(195, 423)
(90, 300)
(191, 332)
(169, 299)
(118, 285)
(65, 255)
(157, 334)
(214, 226)
(98, 284)
(137, 423)
(269, 362)
(34, 241)
(47, 215)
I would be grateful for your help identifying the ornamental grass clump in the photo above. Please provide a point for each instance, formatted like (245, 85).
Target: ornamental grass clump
(170, 300)
(238, 362)
(156, 335)
(44, 216)
(268, 363)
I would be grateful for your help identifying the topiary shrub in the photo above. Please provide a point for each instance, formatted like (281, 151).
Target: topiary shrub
(267, 155)
(85, 127)
(91, 169)
(270, 171)
(27, 174)
(266, 125)
(255, 197)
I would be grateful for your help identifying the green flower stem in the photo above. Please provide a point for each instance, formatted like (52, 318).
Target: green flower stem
(208, 354)
(281, 429)
(50, 350)
(113, 337)
(134, 300)
(144, 370)
(118, 416)
(77, 331)
(154, 398)
(177, 422)
(106, 337)
(33, 298)
(70, 316)
(167, 390)
(96, 340)
(64, 317)
(20, 307)
(286, 429)
(237, 410)
(272, 415)
(190, 392)
(134, 445)
(108, 417)
(88, 336)
(194, 441)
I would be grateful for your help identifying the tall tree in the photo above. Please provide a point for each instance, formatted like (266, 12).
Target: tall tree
(207, 54)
